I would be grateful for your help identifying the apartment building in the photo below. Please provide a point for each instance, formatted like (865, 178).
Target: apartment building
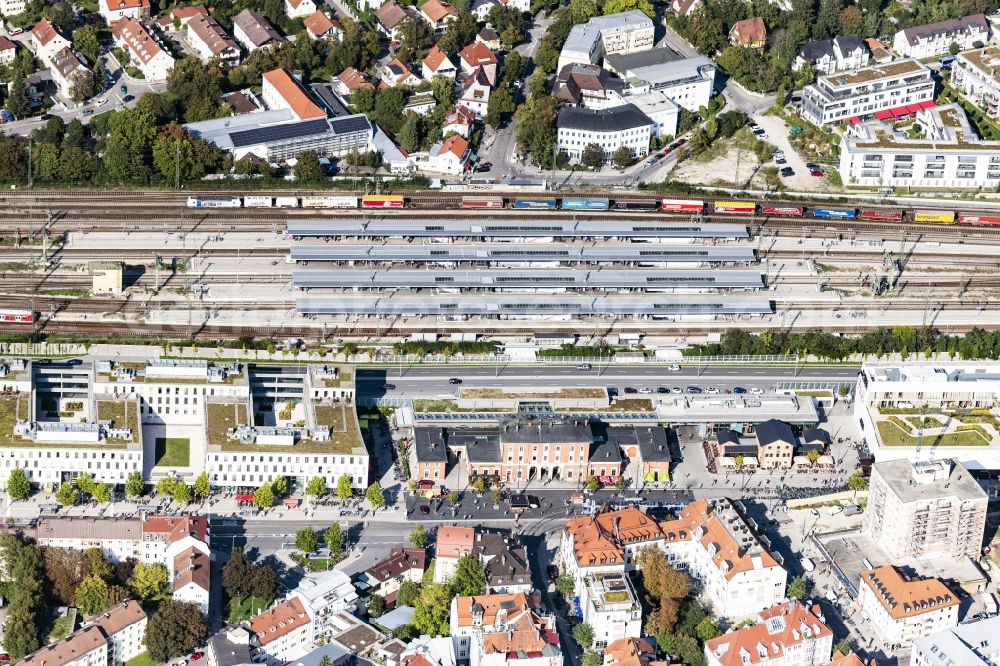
(142, 49)
(106, 639)
(902, 609)
(974, 74)
(610, 129)
(46, 41)
(625, 32)
(935, 39)
(969, 644)
(451, 544)
(210, 42)
(124, 626)
(932, 509)
(949, 155)
(118, 10)
(118, 538)
(254, 31)
(299, 8)
(610, 606)
(688, 82)
(503, 630)
(11, 7)
(86, 647)
(712, 542)
(323, 598)
(832, 55)
(863, 92)
(786, 634)
(384, 578)
(282, 633)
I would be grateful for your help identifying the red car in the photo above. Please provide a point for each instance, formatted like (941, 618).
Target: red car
(668, 150)
(681, 142)
(196, 656)
(816, 174)
(4, 656)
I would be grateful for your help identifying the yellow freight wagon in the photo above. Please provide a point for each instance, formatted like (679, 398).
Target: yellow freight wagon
(934, 216)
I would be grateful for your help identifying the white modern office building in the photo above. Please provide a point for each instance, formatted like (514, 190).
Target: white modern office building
(970, 644)
(864, 92)
(626, 32)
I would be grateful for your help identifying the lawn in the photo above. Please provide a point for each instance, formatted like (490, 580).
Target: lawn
(141, 660)
(173, 452)
(245, 609)
(891, 435)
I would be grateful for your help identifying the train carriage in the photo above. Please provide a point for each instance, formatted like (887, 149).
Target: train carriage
(17, 316)
(834, 213)
(784, 211)
(258, 201)
(979, 220)
(682, 206)
(329, 201)
(739, 207)
(535, 203)
(482, 202)
(882, 215)
(214, 202)
(383, 201)
(585, 203)
(637, 205)
(934, 216)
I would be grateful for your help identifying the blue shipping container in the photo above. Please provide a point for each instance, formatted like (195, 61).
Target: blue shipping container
(838, 213)
(535, 203)
(585, 203)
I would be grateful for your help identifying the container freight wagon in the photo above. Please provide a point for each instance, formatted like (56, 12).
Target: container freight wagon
(384, 201)
(637, 205)
(682, 206)
(740, 207)
(935, 216)
(784, 211)
(334, 201)
(986, 220)
(585, 203)
(482, 202)
(537, 203)
(213, 202)
(882, 215)
(258, 201)
(835, 213)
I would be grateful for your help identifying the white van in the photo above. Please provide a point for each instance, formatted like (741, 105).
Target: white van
(835, 509)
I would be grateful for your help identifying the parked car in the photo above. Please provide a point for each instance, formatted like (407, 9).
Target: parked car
(662, 389)
(87, 112)
(739, 390)
(197, 655)
(629, 389)
(677, 389)
(816, 174)
(780, 160)
(681, 142)
(756, 390)
(693, 389)
(713, 390)
(787, 172)
(388, 387)
(645, 390)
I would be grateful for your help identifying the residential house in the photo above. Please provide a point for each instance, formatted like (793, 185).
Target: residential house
(420, 104)
(631, 652)
(391, 16)
(749, 33)
(116, 10)
(459, 121)
(436, 651)
(901, 609)
(191, 577)
(935, 39)
(505, 562)
(320, 26)
(438, 13)
(69, 70)
(119, 538)
(8, 50)
(832, 55)
(282, 633)
(489, 38)
(142, 49)
(280, 90)
(183, 15)
(787, 634)
(396, 73)
(481, 9)
(164, 536)
(437, 63)
(254, 32)
(504, 629)
(683, 7)
(323, 598)
(46, 41)
(870, 90)
(476, 57)
(588, 86)
(351, 79)
(104, 640)
(230, 647)
(880, 54)
(299, 8)
(610, 606)
(385, 577)
(610, 129)
(210, 42)
(475, 93)
(452, 544)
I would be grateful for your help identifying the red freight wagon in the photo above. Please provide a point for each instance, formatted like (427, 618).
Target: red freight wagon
(682, 206)
(788, 211)
(742, 207)
(384, 201)
(17, 316)
(888, 215)
(482, 202)
(979, 219)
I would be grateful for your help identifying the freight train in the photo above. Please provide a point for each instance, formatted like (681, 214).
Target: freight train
(594, 204)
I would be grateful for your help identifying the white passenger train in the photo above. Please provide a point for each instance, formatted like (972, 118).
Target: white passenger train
(267, 201)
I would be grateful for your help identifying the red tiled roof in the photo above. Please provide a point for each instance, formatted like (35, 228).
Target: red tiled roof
(454, 541)
(281, 620)
(120, 5)
(777, 629)
(907, 598)
(456, 145)
(44, 32)
(750, 30)
(435, 10)
(435, 58)
(136, 39)
(477, 55)
(291, 91)
(174, 528)
(354, 79)
(318, 23)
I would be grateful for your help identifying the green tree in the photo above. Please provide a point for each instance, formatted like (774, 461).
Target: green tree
(500, 107)
(333, 537)
(843, 646)
(316, 487)
(707, 629)
(17, 98)
(18, 486)
(432, 611)
(374, 495)
(20, 634)
(149, 581)
(344, 487)
(165, 486)
(97, 564)
(202, 486)
(92, 595)
(134, 484)
(954, 48)
(81, 86)
(178, 156)
(181, 492)
(67, 494)
(263, 497)
(418, 537)
(593, 155)
(101, 493)
(409, 134)
(307, 169)
(622, 157)
(796, 588)
(25, 572)
(617, 6)
(86, 42)
(593, 485)
(583, 634)
(305, 540)
(469, 577)
(857, 480)
(592, 658)
(408, 594)
(376, 606)
(238, 575)
(565, 584)
(279, 485)
(85, 483)
(175, 629)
